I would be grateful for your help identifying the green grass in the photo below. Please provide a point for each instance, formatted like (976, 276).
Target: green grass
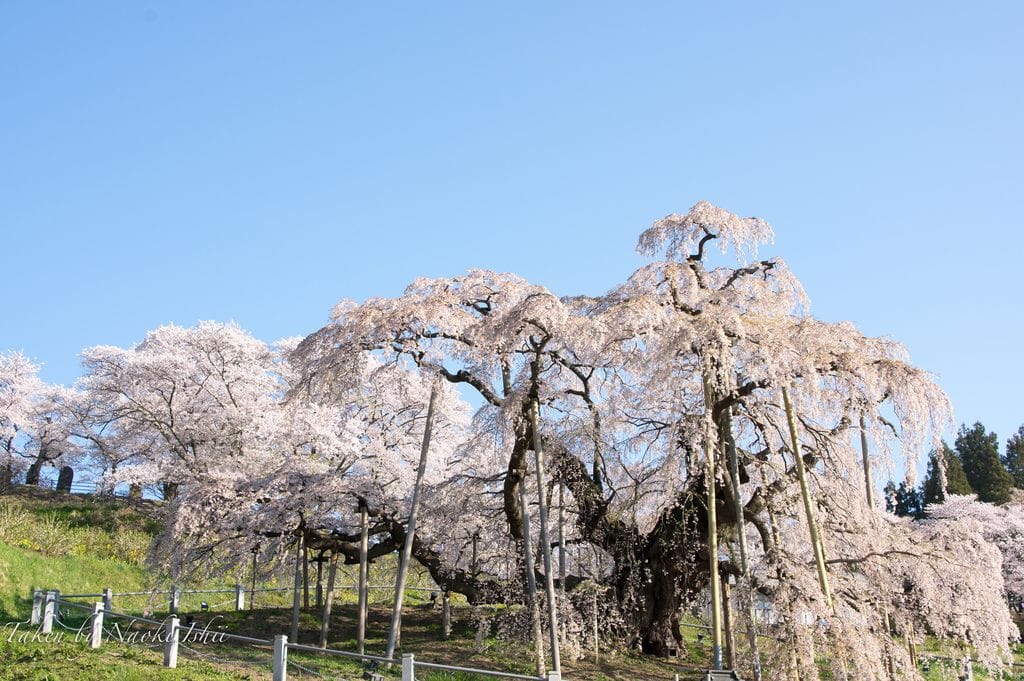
(82, 545)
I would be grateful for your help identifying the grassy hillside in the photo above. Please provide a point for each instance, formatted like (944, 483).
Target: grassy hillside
(82, 545)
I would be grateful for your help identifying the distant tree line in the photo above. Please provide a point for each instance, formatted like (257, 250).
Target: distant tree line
(973, 466)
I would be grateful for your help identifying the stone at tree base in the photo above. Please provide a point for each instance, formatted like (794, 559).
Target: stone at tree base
(65, 478)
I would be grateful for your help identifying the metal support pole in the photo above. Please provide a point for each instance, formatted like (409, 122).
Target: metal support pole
(280, 657)
(96, 636)
(171, 646)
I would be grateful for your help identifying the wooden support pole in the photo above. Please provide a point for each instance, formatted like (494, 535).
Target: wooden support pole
(252, 592)
(868, 486)
(531, 580)
(446, 615)
(305, 576)
(801, 473)
(597, 640)
(545, 541)
(320, 579)
(363, 577)
(297, 587)
(727, 620)
(410, 531)
(325, 618)
(734, 476)
(561, 560)
(715, 586)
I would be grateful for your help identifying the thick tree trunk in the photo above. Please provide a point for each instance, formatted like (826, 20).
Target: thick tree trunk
(170, 490)
(32, 475)
(6, 477)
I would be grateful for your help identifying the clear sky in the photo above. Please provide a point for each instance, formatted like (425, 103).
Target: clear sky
(179, 161)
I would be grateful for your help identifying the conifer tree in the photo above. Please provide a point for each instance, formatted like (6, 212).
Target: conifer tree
(1013, 460)
(979, 454)
(904, 500)
(956, 480)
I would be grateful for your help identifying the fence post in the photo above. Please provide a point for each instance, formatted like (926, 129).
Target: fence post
(408, 667)
(96, 638)
(280, 658)
(554, 676)
(37, 607)
(446, 614)
(49, 604)
(175, 599)
(171, 647)
(108, 599)
(239, 597)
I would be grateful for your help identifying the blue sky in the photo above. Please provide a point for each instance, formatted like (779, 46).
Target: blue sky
(172, 162)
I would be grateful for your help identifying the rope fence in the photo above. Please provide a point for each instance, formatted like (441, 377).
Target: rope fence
(171, 635)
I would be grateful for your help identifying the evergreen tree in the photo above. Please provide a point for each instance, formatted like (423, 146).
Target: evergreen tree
(1014, 458)
(956, 479)
(904, 500)
(979, 454)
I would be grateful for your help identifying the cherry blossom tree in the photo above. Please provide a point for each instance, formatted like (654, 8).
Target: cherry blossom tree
(34, 424)
(698, 424)
(19, 389)
(1002, 526)
(683, 366)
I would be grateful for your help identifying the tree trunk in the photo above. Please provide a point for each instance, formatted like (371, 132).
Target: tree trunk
(33, 473)
(170, 490)
(6, 477)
